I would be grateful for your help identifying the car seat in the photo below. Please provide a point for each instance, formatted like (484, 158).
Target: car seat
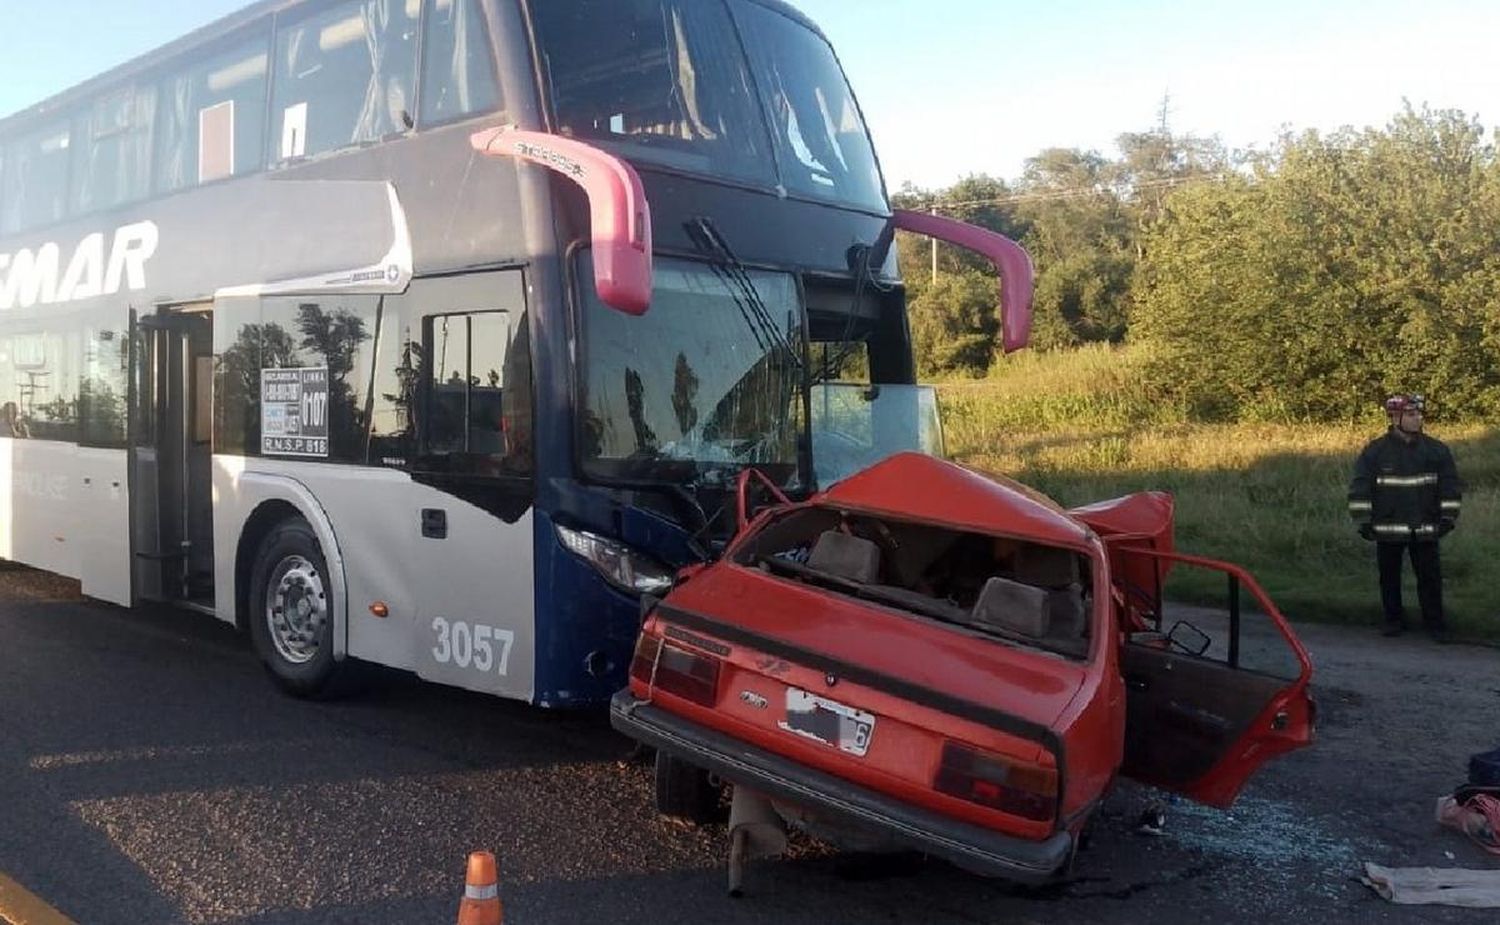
(1056, 571)
(1013, 607)
(847, 556)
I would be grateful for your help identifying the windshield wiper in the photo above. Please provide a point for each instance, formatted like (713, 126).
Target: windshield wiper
(771, 339)
(741, 288)
(863, 259)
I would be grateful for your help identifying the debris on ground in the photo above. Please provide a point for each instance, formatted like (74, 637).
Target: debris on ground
(1475, 814)
(1152, 822)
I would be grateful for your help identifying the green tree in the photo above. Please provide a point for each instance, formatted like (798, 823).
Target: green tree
(1079, 235)
(1342, 267)
(954, 325)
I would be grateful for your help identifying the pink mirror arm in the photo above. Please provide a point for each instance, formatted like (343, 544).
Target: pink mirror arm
(1010, 259)
(619, 212)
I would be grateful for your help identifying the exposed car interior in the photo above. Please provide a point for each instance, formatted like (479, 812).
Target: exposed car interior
(1020, 592)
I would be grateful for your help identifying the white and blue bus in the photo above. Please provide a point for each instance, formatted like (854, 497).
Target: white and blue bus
(435, 333)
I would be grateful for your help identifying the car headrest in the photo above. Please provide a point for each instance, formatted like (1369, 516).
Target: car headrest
(1068, 617)
(1047, 566)
(1013, 607)
(846, 556)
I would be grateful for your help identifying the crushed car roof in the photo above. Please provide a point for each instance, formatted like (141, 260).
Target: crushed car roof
(922, 488)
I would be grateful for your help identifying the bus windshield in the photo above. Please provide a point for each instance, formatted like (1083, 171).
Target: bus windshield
(667, 82)
(707, 382)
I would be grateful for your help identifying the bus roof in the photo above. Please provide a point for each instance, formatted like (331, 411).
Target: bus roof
(224, 26)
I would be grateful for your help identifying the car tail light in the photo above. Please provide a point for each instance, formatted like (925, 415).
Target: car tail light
(1015, 787)
(664, 666)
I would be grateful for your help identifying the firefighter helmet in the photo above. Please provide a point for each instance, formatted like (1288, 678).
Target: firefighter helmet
(1396, 404)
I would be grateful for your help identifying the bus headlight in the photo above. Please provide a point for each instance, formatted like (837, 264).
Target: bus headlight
(622, 567)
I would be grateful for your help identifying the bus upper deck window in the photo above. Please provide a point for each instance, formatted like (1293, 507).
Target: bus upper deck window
(211, 116)
(112, 150)
(344, 76)
(822, 146)
(458, 76)
(663, 81)
(35, 185)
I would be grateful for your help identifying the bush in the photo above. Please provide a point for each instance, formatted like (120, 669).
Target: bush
(1344, 268)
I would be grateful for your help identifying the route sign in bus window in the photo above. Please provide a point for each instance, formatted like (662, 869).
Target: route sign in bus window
(294, 412)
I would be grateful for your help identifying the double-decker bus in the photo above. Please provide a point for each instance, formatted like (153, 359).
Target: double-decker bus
(435, 333)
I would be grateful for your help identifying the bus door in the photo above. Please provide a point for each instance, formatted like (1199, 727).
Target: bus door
(172, 455)
(470, 547)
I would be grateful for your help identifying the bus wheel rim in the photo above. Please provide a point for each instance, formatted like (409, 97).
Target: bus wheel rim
(296, 609)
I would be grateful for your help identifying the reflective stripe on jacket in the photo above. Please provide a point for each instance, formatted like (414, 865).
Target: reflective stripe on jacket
(1405, 491)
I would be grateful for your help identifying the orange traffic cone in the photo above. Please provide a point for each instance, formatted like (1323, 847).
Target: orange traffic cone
(481, 902)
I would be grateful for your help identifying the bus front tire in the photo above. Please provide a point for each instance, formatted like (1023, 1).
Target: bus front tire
(291, 610)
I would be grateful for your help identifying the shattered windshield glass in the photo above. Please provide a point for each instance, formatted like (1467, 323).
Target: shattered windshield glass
(707, 382)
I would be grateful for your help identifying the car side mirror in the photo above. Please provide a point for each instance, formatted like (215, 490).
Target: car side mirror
(1188, 638)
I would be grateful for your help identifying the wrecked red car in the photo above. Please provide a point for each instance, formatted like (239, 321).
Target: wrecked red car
(947, 661)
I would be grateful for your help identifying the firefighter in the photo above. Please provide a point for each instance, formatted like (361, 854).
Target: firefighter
(1405, 496)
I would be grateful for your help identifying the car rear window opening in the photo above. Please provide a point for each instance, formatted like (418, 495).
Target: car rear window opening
(1011, 589)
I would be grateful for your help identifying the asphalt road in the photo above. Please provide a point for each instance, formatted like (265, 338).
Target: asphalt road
(149, 772)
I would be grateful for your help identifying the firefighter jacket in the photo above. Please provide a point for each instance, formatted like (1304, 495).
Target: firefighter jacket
(1405, 491)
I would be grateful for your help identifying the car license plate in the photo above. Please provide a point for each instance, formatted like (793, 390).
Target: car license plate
(827, 721)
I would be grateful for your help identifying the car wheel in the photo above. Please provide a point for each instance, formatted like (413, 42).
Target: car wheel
(686, 792)
(291, 610)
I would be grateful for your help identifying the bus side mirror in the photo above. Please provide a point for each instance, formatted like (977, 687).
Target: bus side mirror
(1010, 259)
(618, 210)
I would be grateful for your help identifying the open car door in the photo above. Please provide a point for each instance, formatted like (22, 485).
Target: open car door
(1212, 694)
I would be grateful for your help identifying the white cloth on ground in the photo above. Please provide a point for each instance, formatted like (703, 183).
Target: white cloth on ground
(1431, 886)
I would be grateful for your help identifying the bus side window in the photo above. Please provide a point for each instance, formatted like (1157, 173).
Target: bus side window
(458, 75)
(470, 420)
(34, 191)
(447, 337)
(489, 334)
(103, 388)
(112, 150)
(211, 114)
(344, 75)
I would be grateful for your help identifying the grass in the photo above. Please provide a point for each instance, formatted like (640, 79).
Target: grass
(1079, 427)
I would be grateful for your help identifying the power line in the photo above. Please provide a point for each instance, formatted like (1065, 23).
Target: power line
(1070, 193)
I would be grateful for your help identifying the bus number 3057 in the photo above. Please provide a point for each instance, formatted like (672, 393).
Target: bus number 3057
(467, 645)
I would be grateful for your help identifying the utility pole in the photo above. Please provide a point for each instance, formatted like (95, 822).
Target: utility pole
(934, 251)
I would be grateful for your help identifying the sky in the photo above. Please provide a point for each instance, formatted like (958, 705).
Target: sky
(957, 87)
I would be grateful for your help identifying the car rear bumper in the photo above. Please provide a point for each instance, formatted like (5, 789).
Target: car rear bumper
(971, 847)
